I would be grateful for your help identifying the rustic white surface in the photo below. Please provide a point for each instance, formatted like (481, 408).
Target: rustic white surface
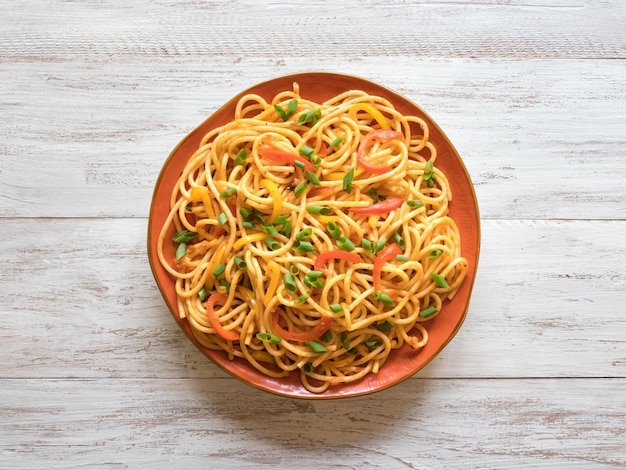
(93, 96)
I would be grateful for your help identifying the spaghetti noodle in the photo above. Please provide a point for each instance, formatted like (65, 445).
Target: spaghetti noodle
(313, 237)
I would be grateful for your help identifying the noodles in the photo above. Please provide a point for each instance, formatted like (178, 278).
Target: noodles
(313, 237)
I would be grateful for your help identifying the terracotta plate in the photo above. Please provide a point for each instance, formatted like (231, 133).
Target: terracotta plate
(402, 363)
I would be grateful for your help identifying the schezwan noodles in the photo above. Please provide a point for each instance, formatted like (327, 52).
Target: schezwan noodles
(313, 236)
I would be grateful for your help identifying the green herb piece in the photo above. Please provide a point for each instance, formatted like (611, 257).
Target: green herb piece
(427, 312)
(345, 244)
(430, 183)
(225, 285)
(246, 224)
(414, 203)
(241, 157)
(299, 164)
(318, 210)
(327, 336)
(435, 253)
(312, 177)
(306, 233)
(345, 341)
(286, 228)
(268, 338)
(281, 112)
(240, 263)
(308, 368)
(222, 219)
(230, 192)
(180, 251)
(281, 219)
(303, 246)
(347, 180)
(373, 193)
(184, 236)
(269, 229)
(313, 279)
(380, 244)
(385, 326)
(219, 270)
(428, 167)
(399, 240)
(203, 293)
(336, 308)
(301, 188)
(293, 269)
(384, 298)
(440, 281)
(336, 141)
(246, 214)
(272, 244)
(367, 245)
(301, 299)
(316, 347)
(316, 161)
(306, 151)
(402, 257)
(352, 351)
(312, 116)
(290, 283)
(373, 344)
(333, 229)
(292, 107)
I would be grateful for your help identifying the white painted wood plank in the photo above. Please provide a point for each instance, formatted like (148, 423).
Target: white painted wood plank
(434, 424)
(79, 300)
(541, 139)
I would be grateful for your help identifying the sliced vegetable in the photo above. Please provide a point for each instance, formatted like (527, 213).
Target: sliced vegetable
(274, 273)
(306, 233)
(290, 283)
(414, 203)
(324, 257)
(203, 293)
(248, 239)
(312, 116)
(345, 244)
(277, 199)
(184, 236)
(312, 177)
(222, 219)
(435, 253)
(321, 210)
(382, 135)
(301, 336)
(268, 338)
(301, 188)
(241, 157)
(428, 311)
(440, 281)
(333, 229)
(336, 141)
(402, 258)
(240, 263)
(372, 111)
(386, 254)
(383, 207)
(272, 244)
(347, 180)
(280, 156)
(201, 194)
(301, 299)
(385, 326)
(219, 270)
(180, 251)
(269, 229)
(303, 246)
(306, 151)
(384, 298)
(336, 308)
(228, 193)
(228, 335)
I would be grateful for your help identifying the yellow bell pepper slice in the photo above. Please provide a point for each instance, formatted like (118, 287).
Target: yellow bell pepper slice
(254, 237)
(372, 111)
(201, 194)
(273, 285)
(277, 198)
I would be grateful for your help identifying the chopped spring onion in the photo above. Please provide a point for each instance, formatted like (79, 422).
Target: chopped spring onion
(384, 298)
(301, 188)
(219, 270)
(380, 244)
(246, 224)
(180, 251)
(336, 141)
(268, 338)
(230, 192)
(367, 245)
(440, 280)
(225, 285)
(345, 244)
(373, 344)
(299, 164)
(313, 178)
(414, 203)
(345, 341)
(292, 107)
(427, 312)
(293, 269)
(286, 228)
(402, 257)
(312, 279)
(347, 180)
(373, 193)
(222, 219)
(385, 326)
(336, 308)
(312, 116)
(241, 157)
(303, 246)
(399, 240)
(306, 233)
(308, 368)
(240, 263)
(269, 229)
(184, 236)
(272, 244)
(435, 253)
(316, 347)
(306, 151)
(301, 299)
(318, 210)
(281, 219)
(246, 214)
(290, 283)
(333, 229)
(203, 293)
(327, 336)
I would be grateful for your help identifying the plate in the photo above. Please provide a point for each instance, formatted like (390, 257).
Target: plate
(402, 363)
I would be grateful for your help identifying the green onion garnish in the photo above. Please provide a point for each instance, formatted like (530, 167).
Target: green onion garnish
(268, 338)
(385, 326)
(286, 228)
(203, 293)
(333, 229)
(269, 229)
(435, 253)
(222, 219)
(230, 192)
(281, 219)
(290, 283)
(367, 245)
(246, 224)
(373, 193)
(318, 210)
(336, 308)
(306, 233)
(241, 157)
(311, 116)
(327, 336)
(240, 263)
(272, 244)
(399, 240)
(427, 312)
(301, 188)
(312, 279)
(303, 246)
(246, 214)
(384, 298)
(428, 167)
(345, 244)
(373, 344)
(440, 280)
(316, 347)
(292, 107)
(402, 257)
(312, 177)
(301, 299)
(225, 285)
(306, 151)
(299, 164)
(308, 368)
(180, 251)
(347, 180)
(219, 270)
(414, 203)
(380, 244)
(184, 236)
(345, 341)
(293, 269)
(336, 141)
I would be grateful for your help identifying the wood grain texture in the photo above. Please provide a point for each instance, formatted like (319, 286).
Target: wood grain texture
(94, 373)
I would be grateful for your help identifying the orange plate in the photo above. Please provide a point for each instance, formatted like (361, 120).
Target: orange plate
(402, 363)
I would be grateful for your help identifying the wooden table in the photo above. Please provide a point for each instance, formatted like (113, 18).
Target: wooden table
(96, 374)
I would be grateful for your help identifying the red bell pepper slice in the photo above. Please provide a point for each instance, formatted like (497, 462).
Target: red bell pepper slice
(383, 207)
(228, 335)
(386, 254)
(382, 135)
(280, 156)
(301, 336)
(322, 258)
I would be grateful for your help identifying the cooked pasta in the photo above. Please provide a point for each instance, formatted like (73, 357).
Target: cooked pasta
(313, 237)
